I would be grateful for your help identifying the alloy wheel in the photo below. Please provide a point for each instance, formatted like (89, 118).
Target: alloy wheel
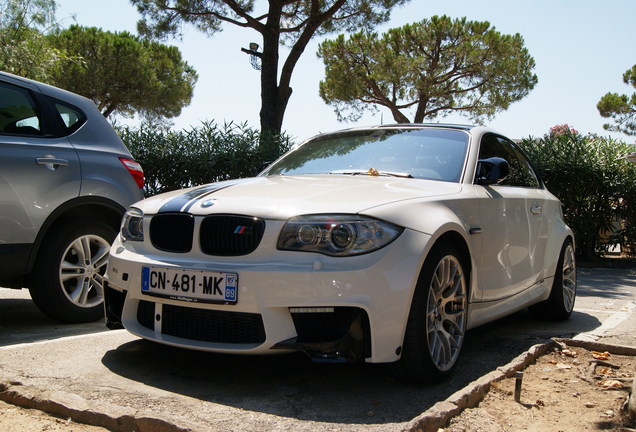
(82, 270)
(446, 313)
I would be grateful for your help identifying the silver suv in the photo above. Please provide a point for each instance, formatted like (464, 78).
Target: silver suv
(66, 180)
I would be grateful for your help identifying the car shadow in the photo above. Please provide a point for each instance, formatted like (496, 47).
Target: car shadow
(292, 386)
(609, 282)
(22, 322)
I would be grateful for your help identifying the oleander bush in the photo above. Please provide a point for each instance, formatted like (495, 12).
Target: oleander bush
(595, 183)
(208, 153)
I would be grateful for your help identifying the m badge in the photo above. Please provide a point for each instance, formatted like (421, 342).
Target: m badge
(243, 230)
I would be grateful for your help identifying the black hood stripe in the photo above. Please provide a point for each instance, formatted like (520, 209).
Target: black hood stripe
(184, 202)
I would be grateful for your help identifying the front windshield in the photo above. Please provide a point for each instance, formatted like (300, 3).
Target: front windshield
(433, 154)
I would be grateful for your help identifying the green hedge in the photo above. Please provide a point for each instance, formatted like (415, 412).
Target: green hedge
(595, 183)
(588, 173)
(205, 154)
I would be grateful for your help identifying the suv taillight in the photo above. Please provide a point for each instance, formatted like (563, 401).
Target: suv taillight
(135, 170)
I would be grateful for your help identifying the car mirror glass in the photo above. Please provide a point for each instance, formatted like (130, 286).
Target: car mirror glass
(492, 171)
(262, 168)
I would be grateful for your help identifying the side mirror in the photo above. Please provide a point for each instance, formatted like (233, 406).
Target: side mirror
(492, 171)
(261, 168)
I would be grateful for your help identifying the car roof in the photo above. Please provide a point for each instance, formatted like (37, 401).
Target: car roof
(44, 88)
(425, 125)
(462, 127)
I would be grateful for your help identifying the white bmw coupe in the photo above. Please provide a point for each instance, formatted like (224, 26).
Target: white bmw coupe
(381, 244)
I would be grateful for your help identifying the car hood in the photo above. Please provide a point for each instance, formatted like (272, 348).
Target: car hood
(281, 197)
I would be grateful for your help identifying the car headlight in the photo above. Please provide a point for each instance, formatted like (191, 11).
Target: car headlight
(132, 228)
(337, 235)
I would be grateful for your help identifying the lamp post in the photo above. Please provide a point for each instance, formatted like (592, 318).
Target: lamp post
(255, 56)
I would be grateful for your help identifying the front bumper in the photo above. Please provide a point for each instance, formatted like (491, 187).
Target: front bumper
(334, 309)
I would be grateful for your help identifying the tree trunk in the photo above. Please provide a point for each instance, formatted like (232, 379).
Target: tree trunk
(420, 112)
(398, 116)
(274, 99)
(275, 95)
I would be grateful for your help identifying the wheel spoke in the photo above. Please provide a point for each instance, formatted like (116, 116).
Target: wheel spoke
(86, 287)
(97, 283)
(82, 249)
(70, 271)
(568, 297)
(453, 283)
(455, 287)
(455, 318)
(100, 259)
(440, 348)
(437, 282)
(78, 290)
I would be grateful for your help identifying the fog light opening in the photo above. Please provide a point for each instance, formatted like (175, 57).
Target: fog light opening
(311, 310)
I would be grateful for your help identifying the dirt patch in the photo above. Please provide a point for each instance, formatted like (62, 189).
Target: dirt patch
(567, 389)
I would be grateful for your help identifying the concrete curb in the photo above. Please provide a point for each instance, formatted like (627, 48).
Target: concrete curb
(95, 413)
(439, 415)
(120, 419)
(631, 404)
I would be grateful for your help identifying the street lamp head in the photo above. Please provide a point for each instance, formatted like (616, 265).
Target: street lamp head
(255, 56)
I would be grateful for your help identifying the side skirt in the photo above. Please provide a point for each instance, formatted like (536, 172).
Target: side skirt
(485, 312)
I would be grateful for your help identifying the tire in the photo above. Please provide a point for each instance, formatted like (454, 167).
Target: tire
(560, 304)
(437, 320)
(69, 283)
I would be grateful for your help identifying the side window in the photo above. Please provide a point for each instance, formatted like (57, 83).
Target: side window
(528, 175)
(521, 172)
(72, 118)
(19, 115)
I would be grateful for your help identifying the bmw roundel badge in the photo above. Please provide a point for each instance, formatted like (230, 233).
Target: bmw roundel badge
(208, 203)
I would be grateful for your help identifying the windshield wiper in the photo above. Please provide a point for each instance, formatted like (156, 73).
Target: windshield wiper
(395, 174)
(372, 172)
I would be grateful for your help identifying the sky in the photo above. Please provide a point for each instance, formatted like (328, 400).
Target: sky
(581, 49)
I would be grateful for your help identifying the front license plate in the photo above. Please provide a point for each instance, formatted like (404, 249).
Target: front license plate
(189, 285)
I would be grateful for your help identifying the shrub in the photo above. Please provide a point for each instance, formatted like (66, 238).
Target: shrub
(562, 130)
(209, 153)
(595, 183)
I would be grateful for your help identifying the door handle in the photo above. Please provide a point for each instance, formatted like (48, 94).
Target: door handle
(51, 162)
(535, 210)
